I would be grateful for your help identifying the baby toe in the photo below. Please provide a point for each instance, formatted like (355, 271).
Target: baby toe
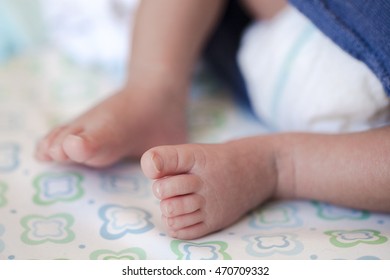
(164, 161)
(176, 186)
(181, 205)
(57, 153)
(45, 145)
(191, 232)
(183, 221)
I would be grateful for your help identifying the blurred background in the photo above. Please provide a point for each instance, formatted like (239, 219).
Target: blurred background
(87, 32)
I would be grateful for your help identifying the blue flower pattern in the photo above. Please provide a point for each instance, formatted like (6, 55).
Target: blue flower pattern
(267, 245)
(9, 157)
(119, 221)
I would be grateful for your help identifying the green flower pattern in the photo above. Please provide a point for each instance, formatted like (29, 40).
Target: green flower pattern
(3, 190)
(126, 254)
(57, 187)
(53, 229)
(351, 238)
(212, 250)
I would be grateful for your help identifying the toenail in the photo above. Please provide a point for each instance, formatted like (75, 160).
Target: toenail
(170, 222)
(169, 209)
(157, 162)
(75, 137)
(172, 234)
(158, 192)
(44, 143)
(55, 150)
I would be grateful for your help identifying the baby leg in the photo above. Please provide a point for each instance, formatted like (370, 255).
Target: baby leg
(205, 188)
(150, 110)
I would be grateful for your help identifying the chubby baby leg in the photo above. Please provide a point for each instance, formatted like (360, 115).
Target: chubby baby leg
(150, 110)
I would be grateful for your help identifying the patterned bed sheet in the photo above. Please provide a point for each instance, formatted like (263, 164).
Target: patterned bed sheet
(51, 211)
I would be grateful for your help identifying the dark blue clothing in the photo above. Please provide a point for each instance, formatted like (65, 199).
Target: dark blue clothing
(360, 27)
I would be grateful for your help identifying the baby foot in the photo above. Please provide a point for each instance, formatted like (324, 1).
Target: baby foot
(124, 125)
(205, 188)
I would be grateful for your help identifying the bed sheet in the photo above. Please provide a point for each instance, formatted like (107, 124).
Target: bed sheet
(51, 211)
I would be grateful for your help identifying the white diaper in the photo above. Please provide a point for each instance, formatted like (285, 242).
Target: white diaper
(298, 79)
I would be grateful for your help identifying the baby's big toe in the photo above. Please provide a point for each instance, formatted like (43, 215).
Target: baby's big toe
(77, 148)
(164, 161)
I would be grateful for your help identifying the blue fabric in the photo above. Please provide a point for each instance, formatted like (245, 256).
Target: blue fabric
(360, 27)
